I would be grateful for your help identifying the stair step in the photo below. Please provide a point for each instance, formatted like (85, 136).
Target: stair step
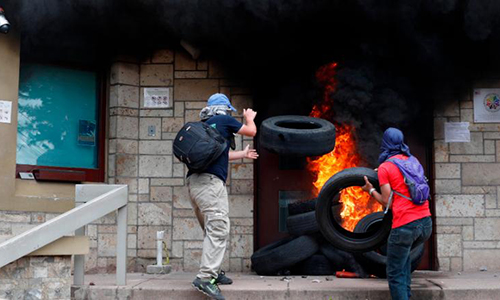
(425, 285)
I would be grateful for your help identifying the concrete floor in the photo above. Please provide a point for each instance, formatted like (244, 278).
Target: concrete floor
(425, 285)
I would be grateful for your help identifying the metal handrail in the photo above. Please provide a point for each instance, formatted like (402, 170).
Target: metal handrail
(96, 201)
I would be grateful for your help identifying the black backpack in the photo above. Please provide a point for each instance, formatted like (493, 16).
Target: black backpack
(198, 145)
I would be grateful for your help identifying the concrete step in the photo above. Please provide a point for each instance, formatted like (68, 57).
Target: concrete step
(425, 285)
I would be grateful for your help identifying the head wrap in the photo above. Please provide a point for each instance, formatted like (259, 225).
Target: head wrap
(392, 144)
(214, 110)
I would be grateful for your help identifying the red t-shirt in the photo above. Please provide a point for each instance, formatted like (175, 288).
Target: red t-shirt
(403, 210)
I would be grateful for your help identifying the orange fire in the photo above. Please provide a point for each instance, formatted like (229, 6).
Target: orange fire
(355, 203)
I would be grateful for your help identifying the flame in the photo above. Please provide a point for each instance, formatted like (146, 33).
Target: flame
(355, 202)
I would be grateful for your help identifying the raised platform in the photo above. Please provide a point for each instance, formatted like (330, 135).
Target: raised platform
(426, 285)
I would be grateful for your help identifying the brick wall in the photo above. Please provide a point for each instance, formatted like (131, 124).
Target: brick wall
(158, 195)
(467, 186)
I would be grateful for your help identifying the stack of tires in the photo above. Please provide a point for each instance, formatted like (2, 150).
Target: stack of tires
(318, 245)
(305, 252)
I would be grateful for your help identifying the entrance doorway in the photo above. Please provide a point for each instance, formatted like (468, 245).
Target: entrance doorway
(281, 180)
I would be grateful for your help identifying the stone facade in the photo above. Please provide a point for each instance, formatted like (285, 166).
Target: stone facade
(43, 277)
(13, 223)
(467, 184)
(144, 160)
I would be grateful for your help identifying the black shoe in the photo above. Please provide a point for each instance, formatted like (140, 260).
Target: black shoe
(208, 287)
(223, 279)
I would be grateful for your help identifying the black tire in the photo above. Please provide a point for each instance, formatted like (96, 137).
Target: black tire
(302, 224)
(375, 262)
(301, 207)
(283, 254)
(297, 135)
(333, 231)
(342, 260)
(317, 264)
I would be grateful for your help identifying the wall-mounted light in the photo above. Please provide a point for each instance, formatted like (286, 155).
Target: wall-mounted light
(4, 24)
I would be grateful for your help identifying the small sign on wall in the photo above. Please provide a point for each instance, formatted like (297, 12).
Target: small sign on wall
(157, 98)
(456, 132)
(5, 111)
(486, 105)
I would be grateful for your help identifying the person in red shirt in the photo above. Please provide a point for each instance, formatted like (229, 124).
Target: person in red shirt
(411, 223)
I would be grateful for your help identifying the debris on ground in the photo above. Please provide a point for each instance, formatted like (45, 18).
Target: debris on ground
(346, 274)
(483, 268)
(316, 281)
(329, 279)
(286, 279)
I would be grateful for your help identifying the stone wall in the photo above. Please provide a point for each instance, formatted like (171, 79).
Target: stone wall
(467, 187)
(158, 195)
(43, 277)
(13, 223)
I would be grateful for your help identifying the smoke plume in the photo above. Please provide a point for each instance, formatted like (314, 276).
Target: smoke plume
(396, 58)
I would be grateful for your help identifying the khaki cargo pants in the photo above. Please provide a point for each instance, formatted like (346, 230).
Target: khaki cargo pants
(210, 203)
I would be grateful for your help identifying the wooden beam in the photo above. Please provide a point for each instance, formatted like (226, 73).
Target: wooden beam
(67, 245)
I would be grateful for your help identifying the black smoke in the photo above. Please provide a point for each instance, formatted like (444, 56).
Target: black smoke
(396, 58)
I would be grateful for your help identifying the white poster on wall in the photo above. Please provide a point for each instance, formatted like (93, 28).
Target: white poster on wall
(5, 111)
(486, 105)
(456, 132)
(157, 98)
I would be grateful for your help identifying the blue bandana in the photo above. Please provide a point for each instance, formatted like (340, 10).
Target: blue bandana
(392, 144)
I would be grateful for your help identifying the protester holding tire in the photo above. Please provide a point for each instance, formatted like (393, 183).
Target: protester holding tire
(404, 189)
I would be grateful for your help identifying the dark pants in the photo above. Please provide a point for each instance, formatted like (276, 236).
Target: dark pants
(401, 241)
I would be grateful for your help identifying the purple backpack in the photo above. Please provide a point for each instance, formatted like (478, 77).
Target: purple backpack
(415, 180)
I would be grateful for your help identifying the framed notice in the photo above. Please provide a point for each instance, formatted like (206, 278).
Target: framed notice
(487, 105)
(157, 98)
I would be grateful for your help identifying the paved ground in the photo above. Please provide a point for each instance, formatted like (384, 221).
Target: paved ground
(425, 285)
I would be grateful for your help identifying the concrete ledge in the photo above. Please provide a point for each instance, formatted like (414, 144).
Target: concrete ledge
(425, 285)
(67, 245)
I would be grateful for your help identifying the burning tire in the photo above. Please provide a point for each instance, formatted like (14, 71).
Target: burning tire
(297, 135)
(302, 224)
(339, 237)
(375, 262)
(283, 254)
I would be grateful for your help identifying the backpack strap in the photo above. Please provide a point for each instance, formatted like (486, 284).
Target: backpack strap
(389, 202)
(232, 143)
(391, 160)
(399, 194)
(231, 140)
